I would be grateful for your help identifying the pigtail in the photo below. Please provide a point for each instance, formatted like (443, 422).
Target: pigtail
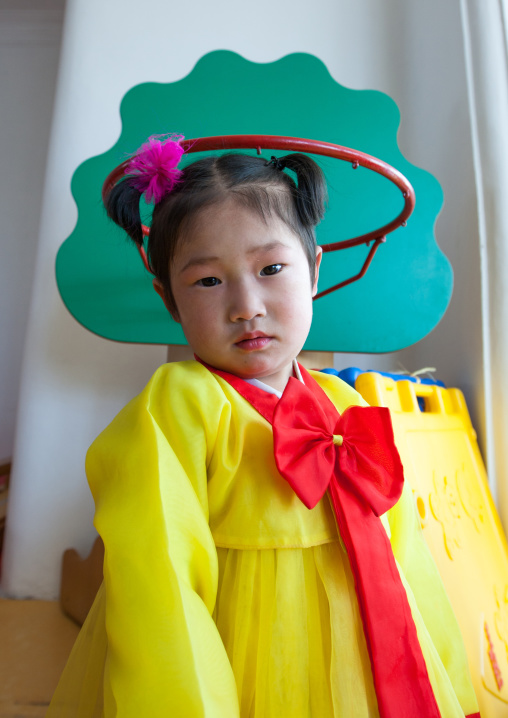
(122, 206)
(310, 195)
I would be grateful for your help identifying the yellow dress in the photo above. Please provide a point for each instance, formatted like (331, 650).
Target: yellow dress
(223, 596)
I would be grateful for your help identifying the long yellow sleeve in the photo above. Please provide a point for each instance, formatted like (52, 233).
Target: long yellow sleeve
(148, 476)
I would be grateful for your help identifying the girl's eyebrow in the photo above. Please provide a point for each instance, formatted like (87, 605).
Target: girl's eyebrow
(276, 244)
(208, 258)
(197, 261)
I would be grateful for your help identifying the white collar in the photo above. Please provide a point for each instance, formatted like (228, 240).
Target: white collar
(269, 389)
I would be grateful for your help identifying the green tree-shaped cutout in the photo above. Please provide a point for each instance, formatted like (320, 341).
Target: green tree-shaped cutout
(405, 292)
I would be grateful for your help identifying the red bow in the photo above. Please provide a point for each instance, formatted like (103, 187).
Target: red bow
(355, 457)
(309, 441)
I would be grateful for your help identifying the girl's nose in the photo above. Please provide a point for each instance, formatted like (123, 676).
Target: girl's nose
(246, 303)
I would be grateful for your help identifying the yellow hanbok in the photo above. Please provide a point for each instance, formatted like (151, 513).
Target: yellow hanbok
(223, 596)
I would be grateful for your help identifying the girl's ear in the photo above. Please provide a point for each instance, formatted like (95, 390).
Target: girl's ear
(319, 257)
(157, 285)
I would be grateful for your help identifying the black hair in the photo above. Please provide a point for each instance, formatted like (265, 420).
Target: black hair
(264, 187)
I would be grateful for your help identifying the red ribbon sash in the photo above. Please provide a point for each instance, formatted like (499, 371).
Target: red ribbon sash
(354, 457)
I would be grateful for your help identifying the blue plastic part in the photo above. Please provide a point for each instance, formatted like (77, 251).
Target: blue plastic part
(350, 375)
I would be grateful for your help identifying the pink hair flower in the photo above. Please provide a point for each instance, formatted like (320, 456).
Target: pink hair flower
(153, 169)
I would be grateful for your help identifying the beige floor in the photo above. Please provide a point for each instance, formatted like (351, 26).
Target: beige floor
(35, 641)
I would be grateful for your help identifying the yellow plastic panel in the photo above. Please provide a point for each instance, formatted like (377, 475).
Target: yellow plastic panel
(444, 467)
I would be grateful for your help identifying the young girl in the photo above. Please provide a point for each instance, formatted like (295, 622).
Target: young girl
(247, 572)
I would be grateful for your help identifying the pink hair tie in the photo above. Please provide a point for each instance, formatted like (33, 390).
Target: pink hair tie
(153, 168)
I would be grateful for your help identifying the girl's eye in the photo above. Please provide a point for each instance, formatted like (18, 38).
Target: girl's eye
(208, 282)
(271, 269)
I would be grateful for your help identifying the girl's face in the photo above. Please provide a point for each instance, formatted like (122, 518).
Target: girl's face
(243, 293)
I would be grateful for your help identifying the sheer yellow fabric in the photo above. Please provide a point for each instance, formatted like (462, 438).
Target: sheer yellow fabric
(223, 595)
(287, 653)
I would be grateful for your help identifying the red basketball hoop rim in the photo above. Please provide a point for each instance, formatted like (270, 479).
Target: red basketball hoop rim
(316, 147)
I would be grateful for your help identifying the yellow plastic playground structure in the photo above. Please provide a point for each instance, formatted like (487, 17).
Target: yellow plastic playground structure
(443, 465)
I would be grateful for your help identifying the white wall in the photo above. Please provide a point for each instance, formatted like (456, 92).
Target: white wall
(436, 135)
(30, 35)
(423, 70)
(73, 382)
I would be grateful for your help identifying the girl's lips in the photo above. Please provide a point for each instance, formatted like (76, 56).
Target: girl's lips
(253, 343)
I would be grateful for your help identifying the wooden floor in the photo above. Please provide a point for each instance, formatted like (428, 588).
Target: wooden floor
(35, 641)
